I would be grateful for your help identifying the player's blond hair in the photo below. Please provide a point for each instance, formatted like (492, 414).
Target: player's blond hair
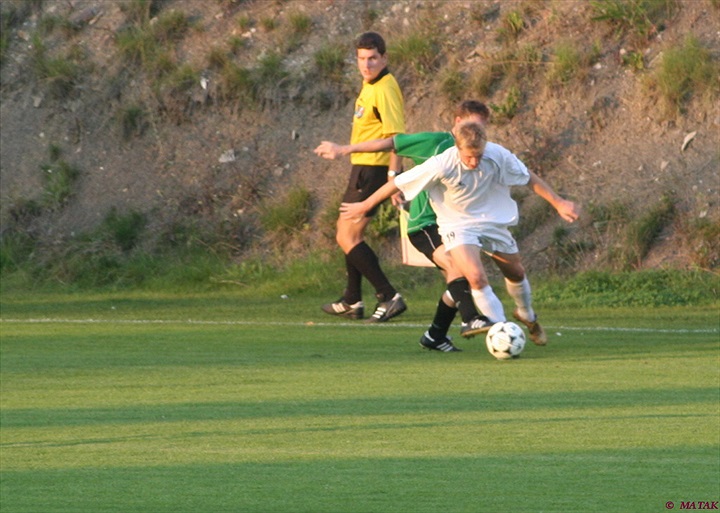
(470, 136)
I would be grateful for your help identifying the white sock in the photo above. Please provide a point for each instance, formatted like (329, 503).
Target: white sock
(521, 293)
(489, 304)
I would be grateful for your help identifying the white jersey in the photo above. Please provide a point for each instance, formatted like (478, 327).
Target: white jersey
(463, 197)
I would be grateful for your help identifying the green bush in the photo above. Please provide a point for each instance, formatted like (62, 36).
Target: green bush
(507, 110)
(148, 44)
(417, 52)
(236, 83)
(289, 215)
(330, 62)
(170, 27)
(686, 70)
(637, 288)
(639, 18)
(703, 242)
(59, 74)
(385, 223)
(512, 25)
(125, 230)
(59, 178)
(270, 69)
(131, 120)
(300, 23)
(567, 63)
(642, 232)
(16, 247)
(181, 79)
(268, 23)
(453, 84)
(137, 45)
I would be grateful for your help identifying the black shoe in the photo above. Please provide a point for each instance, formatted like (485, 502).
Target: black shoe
(445, 345)
(386, 310)
(476, 326)
(341, 308)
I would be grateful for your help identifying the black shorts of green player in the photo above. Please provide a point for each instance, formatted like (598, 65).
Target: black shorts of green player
(426, 240)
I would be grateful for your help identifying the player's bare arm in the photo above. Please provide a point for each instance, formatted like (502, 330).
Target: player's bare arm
(567, 209)
(330, 150)
(359, 210)
(395, 161)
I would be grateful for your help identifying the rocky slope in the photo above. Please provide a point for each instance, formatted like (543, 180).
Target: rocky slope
(198, 157)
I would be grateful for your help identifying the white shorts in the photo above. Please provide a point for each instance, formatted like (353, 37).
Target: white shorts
(490, 238)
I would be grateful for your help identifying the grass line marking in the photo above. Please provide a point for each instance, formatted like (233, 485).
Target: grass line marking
(324, 324)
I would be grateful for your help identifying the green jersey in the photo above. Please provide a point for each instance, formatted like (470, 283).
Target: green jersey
(420, 147)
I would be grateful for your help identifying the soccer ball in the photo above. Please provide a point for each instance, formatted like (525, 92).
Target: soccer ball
(505, 340)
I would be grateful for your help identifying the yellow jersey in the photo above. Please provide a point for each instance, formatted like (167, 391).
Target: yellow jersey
(379, 113)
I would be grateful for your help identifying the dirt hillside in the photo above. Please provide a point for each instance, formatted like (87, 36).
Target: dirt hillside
(196, 154)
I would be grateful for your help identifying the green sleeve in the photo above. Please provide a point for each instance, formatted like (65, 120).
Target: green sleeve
(421, 146)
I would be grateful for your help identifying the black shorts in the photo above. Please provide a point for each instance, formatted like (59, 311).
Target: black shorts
(426, 240)
(364, 181)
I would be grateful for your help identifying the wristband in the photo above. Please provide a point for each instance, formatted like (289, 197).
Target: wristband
(392, 174)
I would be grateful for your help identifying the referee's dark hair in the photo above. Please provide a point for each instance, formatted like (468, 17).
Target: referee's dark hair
(472, 107)
(371, 41)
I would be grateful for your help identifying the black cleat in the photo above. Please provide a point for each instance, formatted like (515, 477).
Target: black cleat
(342, 309)
(386, 310)
(445, 345)
(476, 326)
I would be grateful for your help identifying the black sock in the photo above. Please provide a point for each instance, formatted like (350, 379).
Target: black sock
(353, 291)
(366, 262)
(442, 321)
(460, 291)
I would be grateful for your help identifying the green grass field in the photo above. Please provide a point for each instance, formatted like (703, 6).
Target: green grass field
(141, 402)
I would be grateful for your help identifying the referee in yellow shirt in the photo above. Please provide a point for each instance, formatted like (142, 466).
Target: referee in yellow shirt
(378, 114)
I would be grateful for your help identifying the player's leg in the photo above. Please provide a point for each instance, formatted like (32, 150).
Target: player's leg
(458, 290)
(361, 260)
(427, 240)
(365, 181)
(348, 235)
(505, 253)
(518, 287)
(516, 282)
(467, 258)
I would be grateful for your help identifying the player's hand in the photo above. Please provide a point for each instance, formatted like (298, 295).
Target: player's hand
(328, 150)
(398, 200)
(568, 210)
(352, 211)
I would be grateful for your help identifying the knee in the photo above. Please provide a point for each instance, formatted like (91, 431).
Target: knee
(477, 281)
(515, 274)
(515, 278)
(347, 240)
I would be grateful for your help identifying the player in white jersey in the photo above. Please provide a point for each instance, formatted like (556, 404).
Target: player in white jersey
(468, 200)
(469, 189)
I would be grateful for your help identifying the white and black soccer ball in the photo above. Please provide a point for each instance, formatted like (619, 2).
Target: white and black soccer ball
(505, 340)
